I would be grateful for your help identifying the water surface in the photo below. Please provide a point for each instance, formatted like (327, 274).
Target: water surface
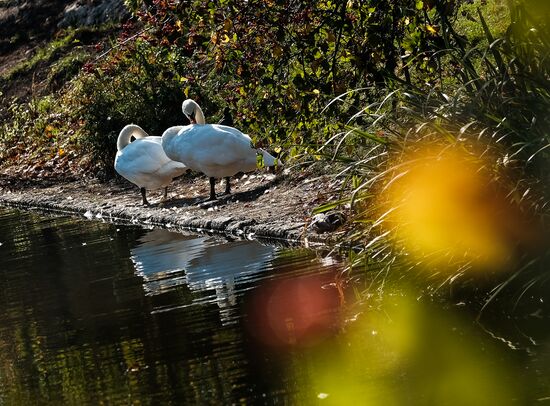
(99, 313)
(96, 312)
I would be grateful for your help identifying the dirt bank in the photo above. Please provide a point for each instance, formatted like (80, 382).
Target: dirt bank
(262, 205)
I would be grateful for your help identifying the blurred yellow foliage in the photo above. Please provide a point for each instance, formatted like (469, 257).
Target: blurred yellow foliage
(405, 352)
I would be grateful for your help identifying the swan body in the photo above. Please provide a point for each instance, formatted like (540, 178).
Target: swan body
(216, 150)
(144, 162)
(195, 115)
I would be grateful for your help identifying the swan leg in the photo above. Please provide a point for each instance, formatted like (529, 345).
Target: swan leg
(212, 189)
(227, 186)
(165, 197)
(144, 198)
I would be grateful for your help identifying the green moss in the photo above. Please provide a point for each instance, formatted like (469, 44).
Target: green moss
(66, 68)
(65, 41)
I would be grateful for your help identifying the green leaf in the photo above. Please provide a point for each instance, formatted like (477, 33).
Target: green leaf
(329, 206)
(260, 161)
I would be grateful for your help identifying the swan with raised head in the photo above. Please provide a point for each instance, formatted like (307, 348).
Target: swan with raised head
(218, 151)
(143, 161)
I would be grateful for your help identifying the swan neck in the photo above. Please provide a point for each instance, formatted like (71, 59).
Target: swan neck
(170, 133)
(199, 115)
(125, 136)
(269, 160)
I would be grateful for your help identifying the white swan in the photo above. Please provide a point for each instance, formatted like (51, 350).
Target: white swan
(143, 161)
(218, 151)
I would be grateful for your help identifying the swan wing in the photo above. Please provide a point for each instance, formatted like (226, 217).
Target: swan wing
(214, 143)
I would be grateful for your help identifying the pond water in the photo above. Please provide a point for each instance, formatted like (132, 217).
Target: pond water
(100, 313)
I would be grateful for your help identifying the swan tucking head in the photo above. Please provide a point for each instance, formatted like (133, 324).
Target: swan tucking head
(193, 112)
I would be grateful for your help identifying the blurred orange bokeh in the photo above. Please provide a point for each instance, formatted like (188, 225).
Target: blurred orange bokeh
(445, 206)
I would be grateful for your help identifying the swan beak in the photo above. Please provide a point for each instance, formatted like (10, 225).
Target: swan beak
(277, 167)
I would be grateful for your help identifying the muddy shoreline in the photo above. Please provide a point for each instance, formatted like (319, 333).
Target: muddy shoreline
(262, 206)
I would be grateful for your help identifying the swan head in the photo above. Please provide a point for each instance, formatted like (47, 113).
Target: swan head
(193, 112)
(266, 159)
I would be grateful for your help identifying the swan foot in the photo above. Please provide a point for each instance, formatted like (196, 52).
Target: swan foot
(144, 200)
(227, 186)
(164, 198)
(212, 190)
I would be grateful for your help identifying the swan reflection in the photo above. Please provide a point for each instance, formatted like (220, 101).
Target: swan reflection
(204, 263)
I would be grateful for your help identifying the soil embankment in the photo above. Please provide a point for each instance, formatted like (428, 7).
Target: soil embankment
(261, 205)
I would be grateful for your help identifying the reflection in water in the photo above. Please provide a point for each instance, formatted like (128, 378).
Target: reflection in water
(224, 266)
(160, 257)
(167, 259)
